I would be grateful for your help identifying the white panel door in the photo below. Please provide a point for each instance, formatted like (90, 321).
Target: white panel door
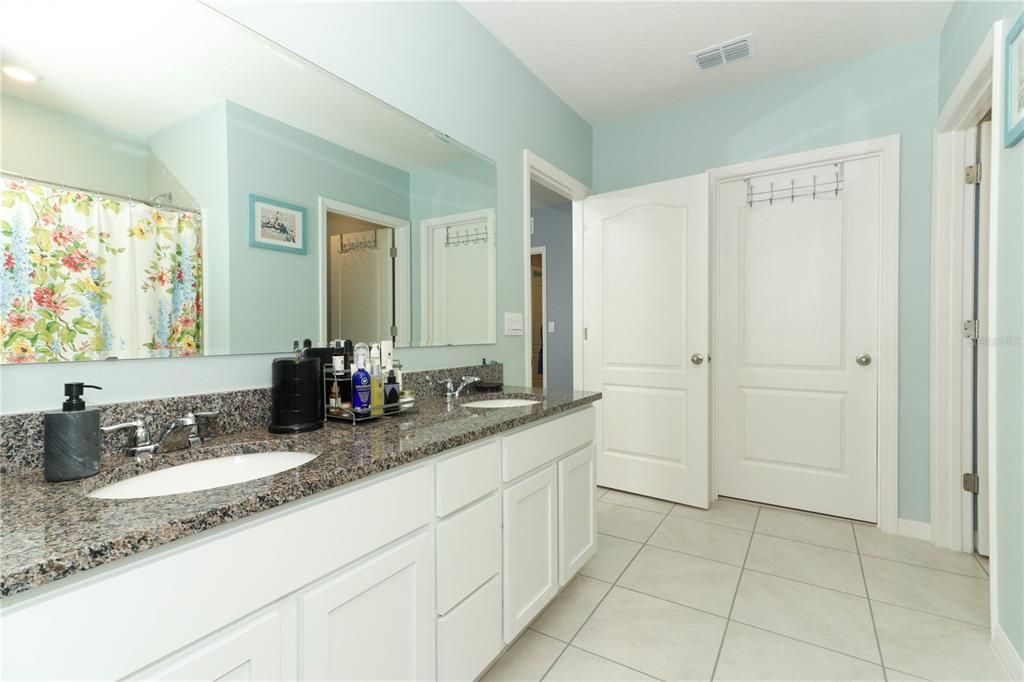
(797, 304)
(646, 314)
(375, 620)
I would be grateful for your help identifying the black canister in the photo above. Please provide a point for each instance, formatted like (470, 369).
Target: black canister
(296, 395)
(71, 438)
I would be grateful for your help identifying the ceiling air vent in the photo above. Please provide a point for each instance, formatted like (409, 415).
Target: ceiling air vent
(724, 53)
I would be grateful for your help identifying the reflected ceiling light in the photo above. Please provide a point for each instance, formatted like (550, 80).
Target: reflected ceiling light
(20, 74)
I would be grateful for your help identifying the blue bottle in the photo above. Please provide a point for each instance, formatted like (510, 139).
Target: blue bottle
(361, 389)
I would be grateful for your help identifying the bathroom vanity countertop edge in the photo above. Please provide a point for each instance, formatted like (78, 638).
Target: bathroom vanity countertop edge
(50, 531)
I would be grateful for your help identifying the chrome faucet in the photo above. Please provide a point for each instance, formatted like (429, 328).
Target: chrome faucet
(452, 393)
(179, 434)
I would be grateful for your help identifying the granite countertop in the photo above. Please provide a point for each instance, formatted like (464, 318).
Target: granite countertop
(50, 531)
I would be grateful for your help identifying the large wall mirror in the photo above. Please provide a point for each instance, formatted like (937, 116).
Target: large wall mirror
(174, 184)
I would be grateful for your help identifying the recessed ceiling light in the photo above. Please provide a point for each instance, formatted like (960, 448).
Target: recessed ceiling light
(20, 74)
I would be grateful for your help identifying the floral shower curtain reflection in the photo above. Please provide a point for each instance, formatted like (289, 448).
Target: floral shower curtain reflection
(87, 277)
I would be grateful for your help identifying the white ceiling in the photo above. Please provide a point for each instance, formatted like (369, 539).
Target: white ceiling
(608, 60)
(139, 66)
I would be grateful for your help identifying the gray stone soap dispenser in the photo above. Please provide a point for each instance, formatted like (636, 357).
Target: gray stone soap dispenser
(71, 438)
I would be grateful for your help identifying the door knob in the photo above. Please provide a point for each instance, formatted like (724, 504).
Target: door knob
(863, 359)
(697, 358)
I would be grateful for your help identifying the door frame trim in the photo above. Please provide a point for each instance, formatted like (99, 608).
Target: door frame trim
(952, 508)
(538, 170)
(888, 150)
(541, 251)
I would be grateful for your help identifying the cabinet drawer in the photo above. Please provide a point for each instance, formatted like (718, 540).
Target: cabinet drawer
(468, 551)
(467, 476)
(469, 637)
(524, 451)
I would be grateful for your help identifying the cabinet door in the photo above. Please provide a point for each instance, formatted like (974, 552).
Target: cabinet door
(374, 620)
(250, 651)
(531, 552)
(576, 527)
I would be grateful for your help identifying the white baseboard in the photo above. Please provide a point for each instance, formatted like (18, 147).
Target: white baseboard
(1007, 656)
(919, 530)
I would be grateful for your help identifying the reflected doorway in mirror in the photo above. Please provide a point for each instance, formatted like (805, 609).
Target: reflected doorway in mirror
(276, 225)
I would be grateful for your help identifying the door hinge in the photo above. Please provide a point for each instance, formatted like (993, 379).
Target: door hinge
(394, 252)
(972, 174)
(971, 483)
(586, 333)
(970, 330)
(394, 330)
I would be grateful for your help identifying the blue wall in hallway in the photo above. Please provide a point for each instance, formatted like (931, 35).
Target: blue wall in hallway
(552, 229)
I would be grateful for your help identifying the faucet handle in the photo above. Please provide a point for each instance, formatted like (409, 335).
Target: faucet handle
(140, 435)
(470, 380)
(449, 384)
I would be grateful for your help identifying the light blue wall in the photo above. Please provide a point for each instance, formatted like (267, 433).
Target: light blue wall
(552, 229)
(884, 93)
(967, 25)
(277, 161)
(437, 63)
(189, 158)
(433, 61)
(52, 145)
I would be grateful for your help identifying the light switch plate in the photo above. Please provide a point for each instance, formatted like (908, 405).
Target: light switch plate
(551, 326)
(513, 324)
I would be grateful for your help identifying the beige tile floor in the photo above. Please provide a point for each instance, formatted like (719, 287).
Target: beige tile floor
(745, 592)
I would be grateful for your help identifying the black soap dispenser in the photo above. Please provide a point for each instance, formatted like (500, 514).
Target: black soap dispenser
(71, 438)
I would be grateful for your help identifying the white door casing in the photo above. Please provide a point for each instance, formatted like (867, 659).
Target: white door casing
(645, 315)
(797, 303)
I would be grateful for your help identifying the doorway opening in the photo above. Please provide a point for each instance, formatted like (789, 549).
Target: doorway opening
(553, 219)
(539, 312)
(551, 277)
(966, 167)
(364, 276)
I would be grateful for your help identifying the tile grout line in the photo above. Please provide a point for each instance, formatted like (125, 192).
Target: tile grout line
(598, 605)
(930, 613)
(927, 568)
(735, 594)
(871, 608)
(813, 645)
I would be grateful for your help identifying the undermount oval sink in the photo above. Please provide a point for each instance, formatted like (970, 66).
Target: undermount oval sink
(501, 402)
(203, 475)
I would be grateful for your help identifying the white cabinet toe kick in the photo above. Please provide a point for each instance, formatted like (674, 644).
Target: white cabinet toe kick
(424, 573)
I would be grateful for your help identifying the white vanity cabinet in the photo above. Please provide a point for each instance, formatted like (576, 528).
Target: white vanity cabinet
(577, 523)
(468, 536)
(424, 572)
(255, 649)
(549, 530)
(374, 620)
(531, 548)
